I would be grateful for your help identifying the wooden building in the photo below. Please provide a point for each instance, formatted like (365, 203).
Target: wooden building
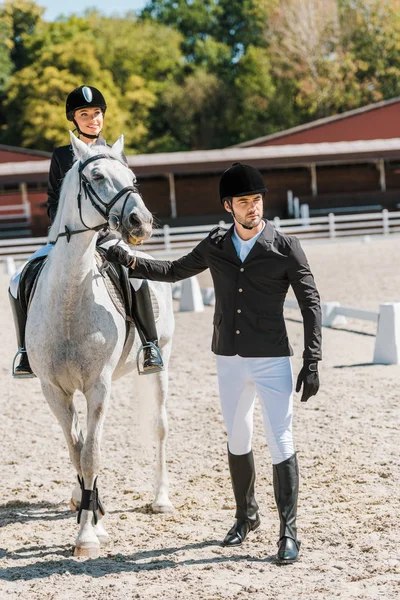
(182, 187)
(349, 162)
(378, 121)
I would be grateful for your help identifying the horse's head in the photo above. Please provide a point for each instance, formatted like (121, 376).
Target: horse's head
(109, 192)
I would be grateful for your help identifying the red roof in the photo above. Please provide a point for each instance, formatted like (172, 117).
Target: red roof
(14, 154)
(375, 121)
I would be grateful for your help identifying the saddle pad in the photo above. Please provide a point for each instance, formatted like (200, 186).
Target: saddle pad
(117, 297)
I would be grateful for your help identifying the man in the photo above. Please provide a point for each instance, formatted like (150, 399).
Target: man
(252, 266)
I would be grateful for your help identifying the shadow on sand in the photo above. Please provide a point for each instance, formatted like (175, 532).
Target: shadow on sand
(112, 564)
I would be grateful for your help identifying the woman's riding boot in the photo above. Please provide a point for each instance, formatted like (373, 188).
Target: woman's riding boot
(144, 319)
(243, 477)
(286, 489)
(23, 369)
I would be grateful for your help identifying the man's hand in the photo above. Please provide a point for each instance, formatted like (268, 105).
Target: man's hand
(308, 377)
(120, 255)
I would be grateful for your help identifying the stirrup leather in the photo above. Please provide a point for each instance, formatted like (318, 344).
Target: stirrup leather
(15, 375)
(141, 349)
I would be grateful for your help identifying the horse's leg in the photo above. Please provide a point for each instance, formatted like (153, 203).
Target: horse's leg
(62, 406)
(88, 543)
(161, 503)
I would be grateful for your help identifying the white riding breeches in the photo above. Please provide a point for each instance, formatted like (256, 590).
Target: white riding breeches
(240, 379)
(45, 250)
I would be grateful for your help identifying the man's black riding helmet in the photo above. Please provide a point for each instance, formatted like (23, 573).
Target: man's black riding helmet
(84, 96)
(241, 180)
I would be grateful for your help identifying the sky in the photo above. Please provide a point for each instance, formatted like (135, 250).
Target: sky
(55, 8)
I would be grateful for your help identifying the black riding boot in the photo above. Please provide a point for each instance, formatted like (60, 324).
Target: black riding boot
(243, 477)
(286, 489)
(23, 369)
(144, 318)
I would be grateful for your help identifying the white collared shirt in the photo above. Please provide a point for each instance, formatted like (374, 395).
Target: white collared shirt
(243, 247)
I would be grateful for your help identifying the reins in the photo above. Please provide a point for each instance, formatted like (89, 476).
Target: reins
(90, 193)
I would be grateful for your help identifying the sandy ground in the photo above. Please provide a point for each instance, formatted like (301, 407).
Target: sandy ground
(347, 440)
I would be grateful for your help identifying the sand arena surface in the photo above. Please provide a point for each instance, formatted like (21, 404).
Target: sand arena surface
(347, 440)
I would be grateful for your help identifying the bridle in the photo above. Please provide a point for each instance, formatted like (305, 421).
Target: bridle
(103, 208)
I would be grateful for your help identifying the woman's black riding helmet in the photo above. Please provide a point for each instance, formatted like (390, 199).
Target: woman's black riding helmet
(84, 96)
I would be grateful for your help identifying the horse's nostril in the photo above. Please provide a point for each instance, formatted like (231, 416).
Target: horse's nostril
(134, 220)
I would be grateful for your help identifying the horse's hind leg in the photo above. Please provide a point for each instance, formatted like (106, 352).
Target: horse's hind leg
(91, 532)
(162, 503)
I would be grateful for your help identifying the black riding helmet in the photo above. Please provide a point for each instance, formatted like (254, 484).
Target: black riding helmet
(84, 96)
(241, 180)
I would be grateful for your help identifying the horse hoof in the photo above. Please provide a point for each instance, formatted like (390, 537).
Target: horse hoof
(87, 552)
(101, 534)
(164, 508)
(73, 506)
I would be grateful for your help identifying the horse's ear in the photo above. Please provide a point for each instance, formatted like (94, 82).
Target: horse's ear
(81, 151)
(118, 148)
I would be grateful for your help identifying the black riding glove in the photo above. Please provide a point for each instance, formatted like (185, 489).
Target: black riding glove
(308, 376)
(119, 255)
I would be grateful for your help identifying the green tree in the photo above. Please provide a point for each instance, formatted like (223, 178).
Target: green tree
(254, 90)
(23, 17)
(5, 52)
(35, 103)
(371, 33)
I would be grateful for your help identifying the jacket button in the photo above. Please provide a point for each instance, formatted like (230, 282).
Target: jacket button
(239, 310)
(237, 331)
(241, 270)
(240, 290)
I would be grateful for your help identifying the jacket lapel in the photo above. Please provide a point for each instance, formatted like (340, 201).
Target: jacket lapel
(265, 243)
(228, 247)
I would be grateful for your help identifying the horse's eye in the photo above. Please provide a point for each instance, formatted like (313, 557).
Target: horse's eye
(97, 176)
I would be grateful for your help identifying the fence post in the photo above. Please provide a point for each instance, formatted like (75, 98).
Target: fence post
(385, 218)
(167, 238)
(331, 221)
(10, 265)
(296, 208)
(305, 214)
(290, 203)
(277, 223)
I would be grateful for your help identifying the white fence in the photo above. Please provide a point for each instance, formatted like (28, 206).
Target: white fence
(170, 240)
(15, 220)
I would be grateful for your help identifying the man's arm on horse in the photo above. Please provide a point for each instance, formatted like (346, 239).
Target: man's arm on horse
(162, 270)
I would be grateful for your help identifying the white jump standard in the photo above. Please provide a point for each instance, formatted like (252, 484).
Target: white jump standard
(252, 266)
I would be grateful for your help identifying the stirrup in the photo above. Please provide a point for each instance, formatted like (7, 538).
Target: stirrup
(15, 375)
(141, 349)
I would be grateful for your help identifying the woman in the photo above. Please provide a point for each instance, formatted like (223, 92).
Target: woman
(85, 107)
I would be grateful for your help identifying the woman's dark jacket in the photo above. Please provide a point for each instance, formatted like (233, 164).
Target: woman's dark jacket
(61, 161)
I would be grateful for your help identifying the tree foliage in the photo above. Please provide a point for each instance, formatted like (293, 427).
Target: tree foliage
(190, 74)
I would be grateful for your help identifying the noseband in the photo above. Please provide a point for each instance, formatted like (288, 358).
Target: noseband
(103, 208)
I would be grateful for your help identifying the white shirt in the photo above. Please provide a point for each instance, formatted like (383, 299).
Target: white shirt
(243, 247)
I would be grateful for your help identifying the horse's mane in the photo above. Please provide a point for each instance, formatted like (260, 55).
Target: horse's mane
(70, 185)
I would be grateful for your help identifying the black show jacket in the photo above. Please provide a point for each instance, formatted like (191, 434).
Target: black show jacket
(249, 296)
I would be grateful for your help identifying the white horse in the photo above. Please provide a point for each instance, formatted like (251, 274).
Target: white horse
(75, 336)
